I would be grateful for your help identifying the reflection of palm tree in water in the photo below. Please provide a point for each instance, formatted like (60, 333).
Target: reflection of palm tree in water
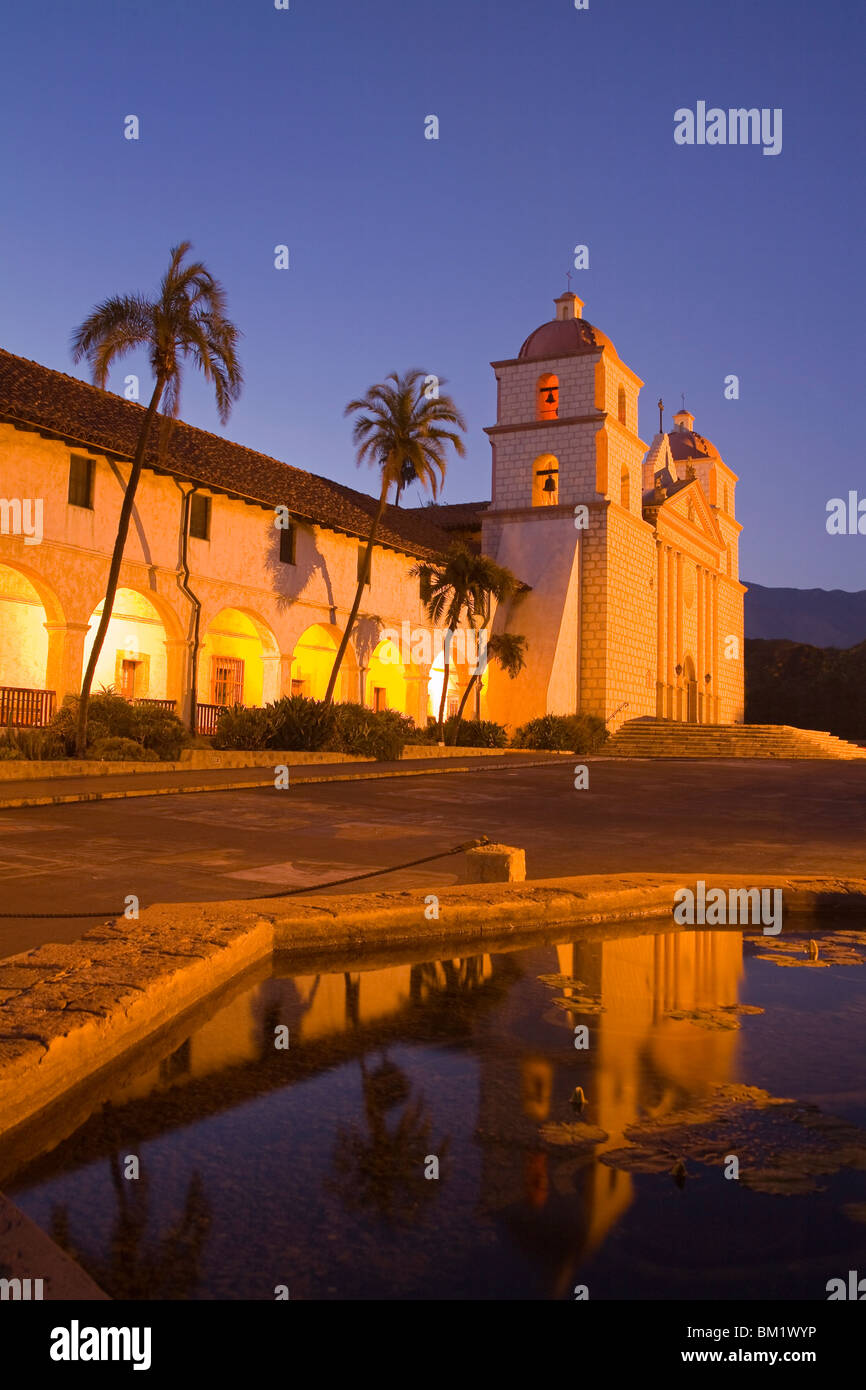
(173, 1269)
(459, 977)
(381, 1167)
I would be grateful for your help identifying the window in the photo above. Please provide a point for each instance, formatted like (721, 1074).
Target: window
(299, 687)
(547, 397)
(625, 489)
(227, 677)
(380, 701)
(287, 544)
(80, 481)
(425, 585)
(362, 550)
(620, 404)
(199, 518)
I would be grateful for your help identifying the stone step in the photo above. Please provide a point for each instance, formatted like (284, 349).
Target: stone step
(662, 738)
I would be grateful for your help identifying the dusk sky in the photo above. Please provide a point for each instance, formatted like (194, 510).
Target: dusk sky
(306, 127)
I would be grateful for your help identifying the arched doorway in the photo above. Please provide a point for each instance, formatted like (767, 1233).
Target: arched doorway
(690, 683)
(313, 661)
(133, 661)
(239, 663)
(435, 682)
(390, 684)
(26, 607)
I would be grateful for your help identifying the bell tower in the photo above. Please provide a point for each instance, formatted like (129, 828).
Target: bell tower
(566, 455)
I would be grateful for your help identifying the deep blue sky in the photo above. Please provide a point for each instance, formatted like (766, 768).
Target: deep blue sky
(305, 127)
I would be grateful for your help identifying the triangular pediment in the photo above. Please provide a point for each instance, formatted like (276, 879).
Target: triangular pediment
(686, 509)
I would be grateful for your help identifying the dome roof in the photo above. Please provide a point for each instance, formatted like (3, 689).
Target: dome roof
(560, 337)
(688, 444)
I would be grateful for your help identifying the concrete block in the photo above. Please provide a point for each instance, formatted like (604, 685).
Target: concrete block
(496, 864)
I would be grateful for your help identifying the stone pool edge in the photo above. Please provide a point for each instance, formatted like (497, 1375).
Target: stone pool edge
(68, 1010)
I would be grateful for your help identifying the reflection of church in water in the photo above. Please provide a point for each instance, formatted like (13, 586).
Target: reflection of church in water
(556, 1208)
(639, 1063)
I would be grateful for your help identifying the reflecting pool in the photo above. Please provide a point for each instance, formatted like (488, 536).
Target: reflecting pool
(312, 1165)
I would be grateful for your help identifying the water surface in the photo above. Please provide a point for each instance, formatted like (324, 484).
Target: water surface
(305, 1166)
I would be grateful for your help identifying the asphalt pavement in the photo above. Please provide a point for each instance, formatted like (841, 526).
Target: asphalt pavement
(685, 817)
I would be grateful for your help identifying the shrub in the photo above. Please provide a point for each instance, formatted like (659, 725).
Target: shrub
(110, 716)
(31, 745)
(567, 733)
(160, 731)
(476, 733)
(300, 725)
(246, 728)
(430, 734)
(121, 750)
(368, 733)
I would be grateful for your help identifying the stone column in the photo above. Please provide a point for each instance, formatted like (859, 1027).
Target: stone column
(286, 674)
(178, 667)
(671, 654)
(679, 631)
(699, 642)
(271, 677)
(418, 707)
(661, 600)
(65, 665)
(714, 645)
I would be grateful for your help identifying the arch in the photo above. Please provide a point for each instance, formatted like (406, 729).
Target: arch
(313, 660)
(134, 656)
(436, 680)
(545, 481)
(27, 603)
(547, 397)
(390, 683)
(625, 488)
(239, 661)
(620, 404)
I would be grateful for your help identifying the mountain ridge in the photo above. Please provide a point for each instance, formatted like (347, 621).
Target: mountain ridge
(814, 617)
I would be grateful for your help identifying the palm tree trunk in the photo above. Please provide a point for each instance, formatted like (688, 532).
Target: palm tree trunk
(114, 571)
(445, 677)
(461, 707)
(359, 593)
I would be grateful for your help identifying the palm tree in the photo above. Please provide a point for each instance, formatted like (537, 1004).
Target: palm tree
(187, 319)
(404, 432)
(462, 585)
(508, 650)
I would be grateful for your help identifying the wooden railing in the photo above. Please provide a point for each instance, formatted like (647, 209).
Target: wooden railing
(24, 708)
(170, 705)
(206, 718)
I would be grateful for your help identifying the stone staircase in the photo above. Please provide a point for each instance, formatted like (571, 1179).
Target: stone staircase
(668, 738)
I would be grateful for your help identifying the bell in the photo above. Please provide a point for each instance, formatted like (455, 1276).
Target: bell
(549, 484)
(550, 398)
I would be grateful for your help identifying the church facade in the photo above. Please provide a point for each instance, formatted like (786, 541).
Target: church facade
(627, 555)
(630, 550)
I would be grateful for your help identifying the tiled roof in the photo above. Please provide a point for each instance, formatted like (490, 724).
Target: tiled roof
(89, 418)
(452, 516)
